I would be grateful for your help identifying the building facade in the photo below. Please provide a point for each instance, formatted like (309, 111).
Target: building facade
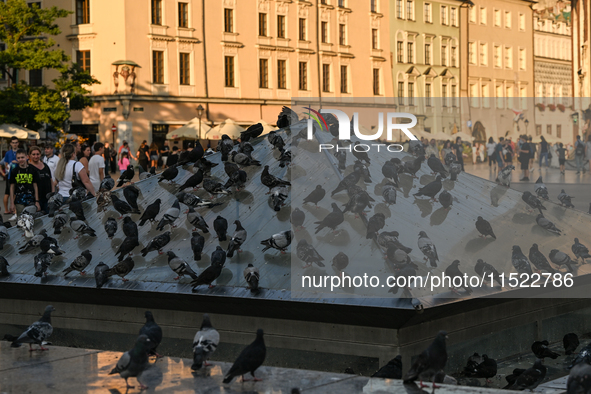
(157, 60)
(581, 26)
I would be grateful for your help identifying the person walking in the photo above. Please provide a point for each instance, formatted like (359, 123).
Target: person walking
(431, 148)
(96, 166)
(84, 156)
(45, 184)
(124, 148)
(579, 154)
(532, 151)
(458, 148)
(153, 155)
(123, 162)
(164, 152)
(23, 185)
(524, 156)
(544, 150)
(143, 156)
(70, 171)
(50, 158)
(588, 151)
(6, 166)
(490, 152)
(107, 158)
(561, 151)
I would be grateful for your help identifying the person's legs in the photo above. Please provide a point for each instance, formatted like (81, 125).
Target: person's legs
(6, 196)
(579, 163)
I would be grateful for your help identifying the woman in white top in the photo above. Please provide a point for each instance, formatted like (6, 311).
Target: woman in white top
(490, 152)
(64, 170)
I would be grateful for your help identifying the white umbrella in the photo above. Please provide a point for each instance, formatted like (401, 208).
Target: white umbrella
(12, 130)
(189, 131)
(228, 127)
(464, 136)
(441, 136)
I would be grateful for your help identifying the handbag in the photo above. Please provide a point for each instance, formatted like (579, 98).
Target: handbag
(549, 155)
(76, 184)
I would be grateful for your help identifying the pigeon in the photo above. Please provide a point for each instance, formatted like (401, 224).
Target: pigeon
(308, 254)
(194, 201)
(347, 182)
(584, 356)
(316, 195)
(279, 241)
(170, 216)
(530, 378)
(122, 207)
(390, 172)
(428, 248)
(413, 166)
(77, 194)
(77, 209)
(152, 330)
(129, 227)
(375, 224)
(81, 228)
(249, 359)
(541, 350)
(193, 156)
(560, 258)
(220, 226)
(204, 165)
(4, 267)
(520, 262)
(122, 268)
(389, 193)
(103, 199)
(251, 132)
(225, 146)
(449, 158)
(541, 189)
(473, 362)
(169, 174)
(272, 181)
(107, 184)
(213, 187)
(430, 361)
(197, 243)
(359, 199)
(150, 212)
(275, 140)
(100, 274)
(532, 201)
(278, 196)
(540, 261)
(59, 221)
(359, 166)
(565, 199)
(134, 362)
(580, 251)
(416, 148)
(431, 189)
(237, 239)
(436, 166)
(570, 342)
(197, 220)
(341, 157)
(127, 176)
(243, 159)
(453, 271)
(390, 238)
(3, 236)
(180, 266)
(145, 175)
(579, 379)
(484, 227)
(41, 262)
(131, 194)
(33, 242)
(204, 344)
(252, 277)
(547, 224)
(504, 177)
(285, 157)
(159, 242)
(512, 377)
(392, 370)
(246, 148)
(54, 202)
(332, 220)
(297, 218)
(211, 273)
(287, 117)
(127, 246)
(340, 262)
(111, 227)
(486, 369)
(445, 199)
(38, 332)
(26, 222)
(237, 179)
(79, 263)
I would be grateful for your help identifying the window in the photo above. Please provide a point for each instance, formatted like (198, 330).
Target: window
(549, 129)
(507, 19)
(454, 56)
(324, 32)
(281, 26)
(400, 52)
(499, 95)
(184, 68)
(558, 131)
(83, 59)
(373, 5)
(427, 54)
(229, 71)
(508, 57)
(454, 96)
(303, 76)
(444, 55)
(444, 15)
(428, 94)
(228, 20)
(472, 15)
(411, 93)
(410, 52)
(399, 10)
(36, 77)
(471, 53)
(262, 24)
(326, 77)
(400, 93)
(341, 3)
(485, 96)
(538, 129)
(473, 95)
(483, 54)
(497, 18)
(82, 12)
(521, 22)
(427, 13)
(523, 95)
(322, 1)
(509, 96)
(344, 87)
(302, 29)
(263, 73)
(498, 56)
(453, 13)
(376, 81)
(158, 67)
(444, 95)
(374, 38)
(482, 16)
(522, 59)
(410, 10)
(342, 35)
(281, 74)
(183, 14)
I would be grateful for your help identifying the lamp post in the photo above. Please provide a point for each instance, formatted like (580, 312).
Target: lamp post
(526, 124)
(200, 110)
(66, 97)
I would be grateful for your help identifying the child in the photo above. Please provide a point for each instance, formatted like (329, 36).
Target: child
(561, 157)
(123, 162)
(23, 184)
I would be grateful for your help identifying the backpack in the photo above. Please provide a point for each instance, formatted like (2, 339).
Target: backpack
(580, 149)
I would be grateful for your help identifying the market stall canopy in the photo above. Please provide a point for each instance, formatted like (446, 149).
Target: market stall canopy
(189, 131)
(464, 136)
(11, 130)
(228, 127)
(441, 136)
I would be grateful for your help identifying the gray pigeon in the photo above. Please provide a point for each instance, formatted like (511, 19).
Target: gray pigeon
(430, 361)
(332, 220)
(297, 218)
(504, 177)
(237, 179)
(347, 182)
(122, 268)
(59, 222)
(308, 254)
(560, 258)
(252, 277)
(204, 344)
(520, 262)
(197, 220)
(153, 331)
(359, 199)
(580, 251)
(428, 248)
(100, 274)
(197, 243)
(454, 169)
(134, 362)
(38, 332)
(390, 238)
(103, 200)
(278, 196)
(194, 201)
(453, 271)
(484, 227)
(547, 224)
(272, 181)
(180, 266)
(3, 236)
(26, 222)
(79, 263)
(243, 159)
(279, 241)
(375, 224)
(214, 187)
(541, 189)
(237, 239)
(389, 193)
(111, 227)
(565, 199)
(33, 242)
(41, 262)
(4, 267)
(249, 359)
(107, 183)
(485, 270)
(170, 216)
(159, 242)
(539, 261)
(445, 199)
(579, 379)
(532, 201)
(340, 262)
(530, 378)
(81, 228)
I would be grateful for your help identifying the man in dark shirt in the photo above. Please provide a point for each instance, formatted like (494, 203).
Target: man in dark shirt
(23, 184)
(458, 148)
(524, 156)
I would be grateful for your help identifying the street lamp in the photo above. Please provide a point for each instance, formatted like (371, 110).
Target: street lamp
(200, 110)
(66, 97)
(526, 123)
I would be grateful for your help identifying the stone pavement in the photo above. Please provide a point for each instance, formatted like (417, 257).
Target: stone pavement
(72, 370)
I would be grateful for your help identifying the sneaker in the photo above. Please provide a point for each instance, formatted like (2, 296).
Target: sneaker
(13, 218)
